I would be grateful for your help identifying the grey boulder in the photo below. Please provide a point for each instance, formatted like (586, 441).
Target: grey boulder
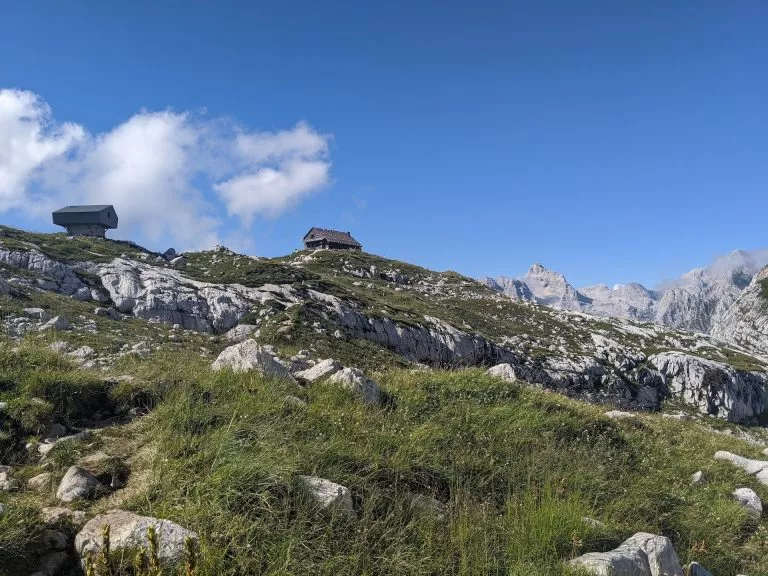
(329, 496)
(250, 355)
(128, 531)
(356, 381)
(320, 370)
(642, 554)
(77, 483)
(750, 501)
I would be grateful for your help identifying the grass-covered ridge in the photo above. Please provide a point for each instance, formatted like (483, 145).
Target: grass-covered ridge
(518, 469)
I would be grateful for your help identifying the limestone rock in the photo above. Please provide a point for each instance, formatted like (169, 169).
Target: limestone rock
(421, 506)
(54, 275)
(36, 314)
(57, 323)
(749, 499)
(250, 355)
(55, 515)
(355, 380)
(40, 482)
(712, 387)
(696, 569)
(129, 530)
(7, 483)
(746, 322)
(639, 555)
(698, 479)
(757, 467)
(330, 496)
(322, 369)
(240, 332)
(77, 483)
(504, 371)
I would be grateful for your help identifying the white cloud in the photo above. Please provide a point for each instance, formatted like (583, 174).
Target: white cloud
(170, 175)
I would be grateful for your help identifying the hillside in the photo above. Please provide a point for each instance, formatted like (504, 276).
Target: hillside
(437, 466)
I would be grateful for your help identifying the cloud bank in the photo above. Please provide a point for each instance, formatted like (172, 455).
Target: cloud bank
(171, 175)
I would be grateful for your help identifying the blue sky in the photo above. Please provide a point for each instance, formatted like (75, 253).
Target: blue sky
(612, 141)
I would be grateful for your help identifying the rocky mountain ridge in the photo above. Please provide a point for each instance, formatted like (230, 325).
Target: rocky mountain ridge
(334, 301)
(697, 301)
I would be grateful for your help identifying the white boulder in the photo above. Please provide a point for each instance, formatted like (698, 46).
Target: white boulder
(329, 496)
(250, 355)
(504, 371)
(77, 483)
(128, 531)
(355, 380)
(749, 499)
(320, 370)
(642, 554)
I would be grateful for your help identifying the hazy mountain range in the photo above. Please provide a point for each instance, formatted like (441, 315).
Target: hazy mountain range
(696, 301)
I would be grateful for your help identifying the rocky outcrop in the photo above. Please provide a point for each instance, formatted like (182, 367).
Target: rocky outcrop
(129, 531)
(250, 355)
(745, 323)
(165, 295)
(712, 387)
(639, 555)
(757, 468)
(435, 342)
(54, 275)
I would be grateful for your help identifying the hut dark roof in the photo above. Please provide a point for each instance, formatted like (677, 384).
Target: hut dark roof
(84, 208)
(332, 236)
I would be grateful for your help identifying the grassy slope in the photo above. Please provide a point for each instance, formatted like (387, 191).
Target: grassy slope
(518, 467)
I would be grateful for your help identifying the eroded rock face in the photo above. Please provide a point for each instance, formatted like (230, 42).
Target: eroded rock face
(129, 530)
(746, 322)
(712, 387)
(642, 554)
(250, 355)
(166, 296)
(55, 276)
(435, 342)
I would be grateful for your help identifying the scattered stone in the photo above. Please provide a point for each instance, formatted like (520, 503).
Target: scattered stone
(749, 499)
(355, 380)
(3, 407)
(698, 479)
(141, 349)
(77, 483)
(504, 371)
(759, 468)
(102, 312)
(82, 353)
(46, 446)
(240, 332)
(36, 314)
(59, 347)
(619, 415)
(7, 484)
(250, 355)
(320, 370)
(83, 294)
(179, 261)
(129, 531)
(58, 323)
(40, 482)
(98, 296)
(2, 509)
(56, 515)
(639, 555)
(330, 496)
